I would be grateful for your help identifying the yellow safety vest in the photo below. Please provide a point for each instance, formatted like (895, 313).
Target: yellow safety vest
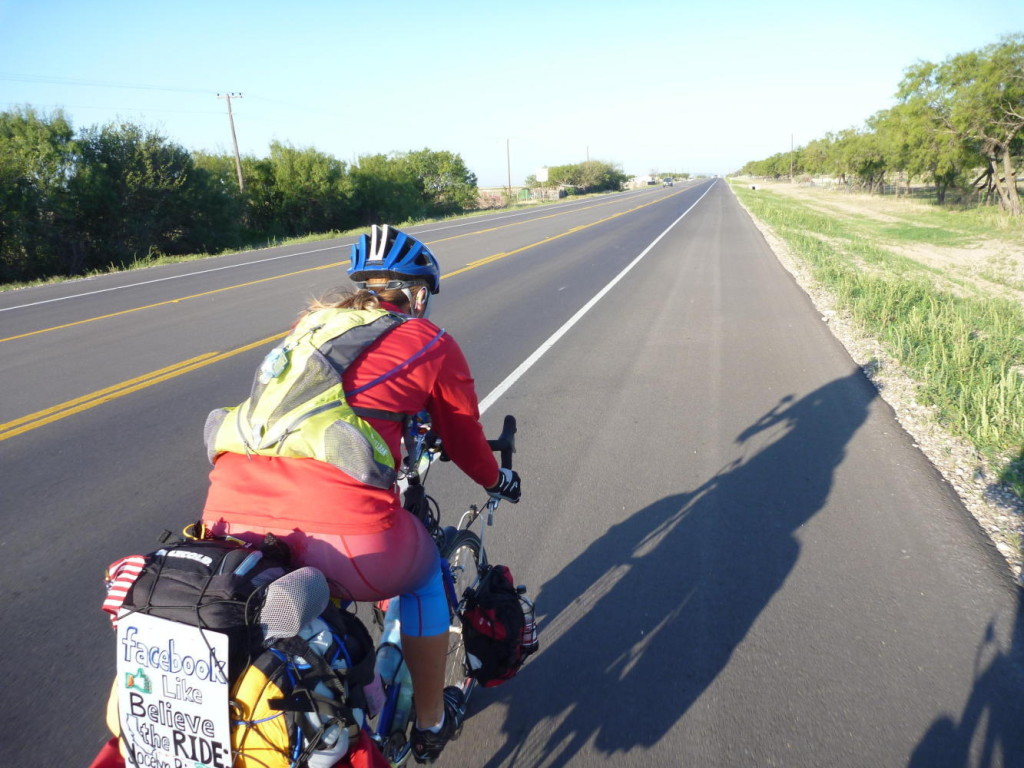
(297, 407)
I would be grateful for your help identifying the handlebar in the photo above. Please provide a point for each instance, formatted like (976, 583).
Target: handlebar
(419, 437)
(506, 442)
(423, 446)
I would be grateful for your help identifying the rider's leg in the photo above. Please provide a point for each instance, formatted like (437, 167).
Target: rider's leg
(425, 656)
(424, 615)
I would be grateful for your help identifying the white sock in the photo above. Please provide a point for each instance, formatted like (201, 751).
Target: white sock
(437, 728)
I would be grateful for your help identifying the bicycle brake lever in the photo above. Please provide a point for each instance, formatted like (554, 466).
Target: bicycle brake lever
(492, 505)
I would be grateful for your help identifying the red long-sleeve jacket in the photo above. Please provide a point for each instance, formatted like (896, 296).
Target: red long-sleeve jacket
(288, 493)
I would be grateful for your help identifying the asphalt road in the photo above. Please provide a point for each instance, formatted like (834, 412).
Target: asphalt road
(738, 557)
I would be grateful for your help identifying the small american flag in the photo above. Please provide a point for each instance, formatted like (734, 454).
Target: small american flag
(121, 574)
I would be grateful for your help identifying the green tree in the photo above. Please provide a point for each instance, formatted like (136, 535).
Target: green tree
(775, 167)
(817, 157)
(135, 194)
(925, 147)
(859, 154)
(448, 185)
(262, 199)
(564, 175)
(979, 97)
(599, 176)
(386, 190)
(37, 163)
(891, 144)
(589, 176)
(220, 208)
(310, 189)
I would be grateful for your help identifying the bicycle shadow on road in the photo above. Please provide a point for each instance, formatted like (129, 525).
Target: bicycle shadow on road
(648, 616)
(989, 733)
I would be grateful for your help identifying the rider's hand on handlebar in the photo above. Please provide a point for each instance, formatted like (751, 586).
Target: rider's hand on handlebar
(508, 486)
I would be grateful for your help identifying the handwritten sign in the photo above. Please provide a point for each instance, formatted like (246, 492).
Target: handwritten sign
(173, 693)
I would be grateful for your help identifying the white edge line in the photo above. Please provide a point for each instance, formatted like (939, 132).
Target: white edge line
(513, 377)
(171, 277)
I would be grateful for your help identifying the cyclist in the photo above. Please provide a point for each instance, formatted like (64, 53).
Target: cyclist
(355, 529)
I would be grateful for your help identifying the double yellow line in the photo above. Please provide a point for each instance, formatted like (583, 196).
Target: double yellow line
(165, 303)
(571, 231)
(84, 403)
(71, 407)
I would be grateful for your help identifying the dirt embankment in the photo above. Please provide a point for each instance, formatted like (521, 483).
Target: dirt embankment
(992, 263)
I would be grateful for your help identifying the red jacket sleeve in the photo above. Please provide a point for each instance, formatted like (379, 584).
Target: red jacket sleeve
(437, 379)
(455, 412)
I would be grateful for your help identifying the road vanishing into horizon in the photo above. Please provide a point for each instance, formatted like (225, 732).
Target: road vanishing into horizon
(738, 556)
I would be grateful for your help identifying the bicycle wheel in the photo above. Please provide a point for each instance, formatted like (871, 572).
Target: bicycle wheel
(465, 555)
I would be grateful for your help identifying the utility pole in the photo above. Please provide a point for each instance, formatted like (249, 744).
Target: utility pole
(234, 139)
(508, 163)
(791, 158)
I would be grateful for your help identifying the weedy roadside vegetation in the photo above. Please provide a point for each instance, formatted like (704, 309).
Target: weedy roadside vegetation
(964, 349)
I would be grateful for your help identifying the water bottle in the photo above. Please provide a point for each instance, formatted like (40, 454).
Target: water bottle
(375, 696)
(528, 641)
(389, 656)
(390, 667)
(338, 738)
(403, 705)
(318, 635)
(273, 364)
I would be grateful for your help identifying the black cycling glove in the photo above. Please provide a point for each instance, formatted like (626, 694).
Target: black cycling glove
(507, 487)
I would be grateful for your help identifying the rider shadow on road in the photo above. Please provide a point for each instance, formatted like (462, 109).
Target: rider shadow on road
(990, 733)
(648, 616)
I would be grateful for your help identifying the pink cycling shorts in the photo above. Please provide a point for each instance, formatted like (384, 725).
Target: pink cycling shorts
(402, 560)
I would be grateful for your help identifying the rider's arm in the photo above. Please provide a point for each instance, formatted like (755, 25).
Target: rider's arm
(455, 414)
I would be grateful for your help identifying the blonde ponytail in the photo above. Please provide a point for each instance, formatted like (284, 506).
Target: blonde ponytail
(364, 298)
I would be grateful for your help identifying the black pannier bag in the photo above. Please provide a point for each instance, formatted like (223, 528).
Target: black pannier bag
(499, 628)
(214, 584)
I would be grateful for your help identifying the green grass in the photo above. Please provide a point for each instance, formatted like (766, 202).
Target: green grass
(966, 353)
(975, 221)
(914, 233)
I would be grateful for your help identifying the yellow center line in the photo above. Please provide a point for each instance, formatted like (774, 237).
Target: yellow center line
(573, 230)
(39, 418)
(521, 223)
(169, 301)
(57, 412)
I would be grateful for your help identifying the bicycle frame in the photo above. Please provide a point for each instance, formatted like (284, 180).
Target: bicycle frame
(423, 448)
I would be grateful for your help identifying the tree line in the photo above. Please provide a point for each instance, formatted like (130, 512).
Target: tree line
(108, 196)
(958, 124)
(588, 176)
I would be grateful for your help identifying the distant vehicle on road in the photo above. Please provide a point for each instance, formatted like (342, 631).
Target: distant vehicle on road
(666, 182)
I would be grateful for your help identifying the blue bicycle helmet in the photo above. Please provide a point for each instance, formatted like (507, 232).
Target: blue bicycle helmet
(393, 254)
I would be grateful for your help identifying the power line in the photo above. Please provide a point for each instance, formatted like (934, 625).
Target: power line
(16, 77)
(299, 107)
(95, 108)
(45, 79)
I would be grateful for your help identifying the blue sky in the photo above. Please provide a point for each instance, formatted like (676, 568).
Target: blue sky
(648, 85)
